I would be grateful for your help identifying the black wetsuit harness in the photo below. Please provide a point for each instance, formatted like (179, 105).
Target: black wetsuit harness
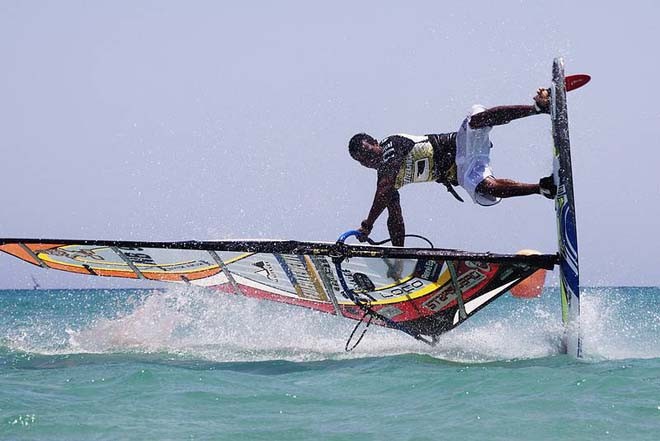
(444, 146)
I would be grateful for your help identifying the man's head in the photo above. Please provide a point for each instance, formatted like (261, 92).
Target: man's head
(365, 150)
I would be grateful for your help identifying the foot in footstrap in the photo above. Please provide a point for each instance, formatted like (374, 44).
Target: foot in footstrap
(547, 187)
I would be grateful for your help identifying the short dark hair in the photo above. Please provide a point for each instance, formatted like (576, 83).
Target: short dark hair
(355, 144)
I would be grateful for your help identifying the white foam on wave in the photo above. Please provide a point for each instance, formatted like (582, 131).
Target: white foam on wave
(221, 327)
(224, 327)
(526, 330)
(616, 323)
(620, 323)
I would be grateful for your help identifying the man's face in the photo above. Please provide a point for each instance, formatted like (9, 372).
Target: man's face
(370, 155)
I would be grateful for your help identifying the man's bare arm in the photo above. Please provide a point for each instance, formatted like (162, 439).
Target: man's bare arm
(395, 225)
(384, 193)
(497, 116)
(500, 115)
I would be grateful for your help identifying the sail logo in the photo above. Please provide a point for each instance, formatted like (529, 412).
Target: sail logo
(80, 254)
(140, 258)
(265, 270)
(326, 274)
(307, 286)
(407, 288)
(447, 294)
(428, 270)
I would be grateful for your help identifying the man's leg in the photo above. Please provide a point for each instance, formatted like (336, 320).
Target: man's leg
(507, 188)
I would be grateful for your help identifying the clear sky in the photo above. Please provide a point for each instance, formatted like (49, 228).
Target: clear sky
(208, 120)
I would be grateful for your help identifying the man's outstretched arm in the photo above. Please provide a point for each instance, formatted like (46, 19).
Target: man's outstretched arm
(395, 225)
(385, 191)
(497, 116)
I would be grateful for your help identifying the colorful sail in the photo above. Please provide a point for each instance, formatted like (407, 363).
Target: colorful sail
(423, 292)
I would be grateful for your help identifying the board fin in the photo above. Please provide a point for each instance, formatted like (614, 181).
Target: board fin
(576, 81)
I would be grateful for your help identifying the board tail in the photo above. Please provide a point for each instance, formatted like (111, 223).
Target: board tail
(565, 212)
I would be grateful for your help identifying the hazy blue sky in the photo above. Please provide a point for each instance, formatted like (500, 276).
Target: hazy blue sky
(212, 120)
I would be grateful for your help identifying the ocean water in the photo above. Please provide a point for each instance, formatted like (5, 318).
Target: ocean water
(189, 364)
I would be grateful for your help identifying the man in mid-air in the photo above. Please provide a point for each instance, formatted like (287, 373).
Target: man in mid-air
(453, 159)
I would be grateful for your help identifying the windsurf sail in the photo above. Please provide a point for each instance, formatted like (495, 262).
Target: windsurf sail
(569, 279)
(423, 292)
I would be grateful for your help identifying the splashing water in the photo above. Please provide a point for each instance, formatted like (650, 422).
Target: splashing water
(616, 323)
(621, 323)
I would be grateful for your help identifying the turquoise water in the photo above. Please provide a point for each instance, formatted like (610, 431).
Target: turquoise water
(191, 364)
